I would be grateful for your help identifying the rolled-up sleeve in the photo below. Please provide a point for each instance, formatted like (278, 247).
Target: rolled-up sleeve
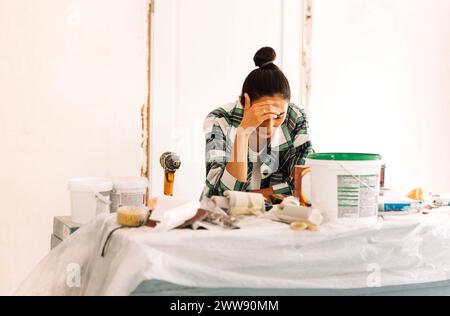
(218, 148)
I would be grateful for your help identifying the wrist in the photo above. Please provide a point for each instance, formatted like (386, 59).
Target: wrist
(244, 131)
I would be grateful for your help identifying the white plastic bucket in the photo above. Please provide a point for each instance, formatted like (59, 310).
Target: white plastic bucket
(345, 186)
(128, 192)
(89, 197)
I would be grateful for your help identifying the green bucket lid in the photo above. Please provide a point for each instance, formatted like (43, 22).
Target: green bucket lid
(344, 156)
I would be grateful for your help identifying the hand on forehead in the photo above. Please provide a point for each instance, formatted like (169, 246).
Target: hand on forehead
(277, 101)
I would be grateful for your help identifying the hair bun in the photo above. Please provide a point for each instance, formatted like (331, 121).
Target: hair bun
(264, 55)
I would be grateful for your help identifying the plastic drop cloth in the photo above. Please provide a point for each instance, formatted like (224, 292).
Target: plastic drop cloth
(262, 254)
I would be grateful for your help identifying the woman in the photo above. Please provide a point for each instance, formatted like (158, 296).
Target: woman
(253, 144)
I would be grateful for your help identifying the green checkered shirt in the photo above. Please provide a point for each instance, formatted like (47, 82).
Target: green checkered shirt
(286, 148)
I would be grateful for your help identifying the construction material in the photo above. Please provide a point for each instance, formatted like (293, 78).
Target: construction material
(383, 176)
(170, 212)
(345, 186)
(292, 213)
(245, 203)
(299, 226)
(132, 216)
(54, 241)
(89, 197)
(399, 206)
(304, 225)
(128, 192)
(441, 199)
(291, 200)
(64, 226)
(221, 202)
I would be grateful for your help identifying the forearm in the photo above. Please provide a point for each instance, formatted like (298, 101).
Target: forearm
(237, 166)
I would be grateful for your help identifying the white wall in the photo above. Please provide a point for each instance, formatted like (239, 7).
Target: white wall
(203, 50)
(72, 81)
(380, 83)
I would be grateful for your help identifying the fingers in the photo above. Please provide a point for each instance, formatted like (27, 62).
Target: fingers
(268, 109)
(269, 102)
(266, 117)
(261, 103)
(267, 106)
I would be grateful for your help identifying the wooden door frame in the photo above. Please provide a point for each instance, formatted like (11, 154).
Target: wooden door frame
(146, 108)
(305, 78)
(306, 52)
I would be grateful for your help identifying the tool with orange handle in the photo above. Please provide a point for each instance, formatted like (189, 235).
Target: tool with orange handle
(170, 162)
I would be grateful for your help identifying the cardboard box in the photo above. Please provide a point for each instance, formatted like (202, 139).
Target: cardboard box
(63, 226)
(54, 241)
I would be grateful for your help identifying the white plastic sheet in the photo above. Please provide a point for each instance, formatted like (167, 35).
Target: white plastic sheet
(262, 254)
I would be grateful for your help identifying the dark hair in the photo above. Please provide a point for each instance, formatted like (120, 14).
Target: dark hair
(267, 79)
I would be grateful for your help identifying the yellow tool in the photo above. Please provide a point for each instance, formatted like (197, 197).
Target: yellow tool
(416, 194)
(170, 162)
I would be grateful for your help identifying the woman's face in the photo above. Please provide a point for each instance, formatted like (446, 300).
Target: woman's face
(267, 128)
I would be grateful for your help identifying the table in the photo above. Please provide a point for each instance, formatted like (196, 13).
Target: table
(400, 253)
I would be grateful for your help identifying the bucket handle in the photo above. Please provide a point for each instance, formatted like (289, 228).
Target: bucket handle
(102, 198)
(299, 172)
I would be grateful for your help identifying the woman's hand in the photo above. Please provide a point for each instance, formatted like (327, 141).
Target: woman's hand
(254, 116)
(257, 113)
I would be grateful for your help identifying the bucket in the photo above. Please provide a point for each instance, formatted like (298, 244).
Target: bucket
(344, 186)
(89, 197)
(128, 192)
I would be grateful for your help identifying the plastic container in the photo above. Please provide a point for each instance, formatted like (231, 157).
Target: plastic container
(441, 199)
(345, 186)
(399, 206)
(89, 197)
(128, 192)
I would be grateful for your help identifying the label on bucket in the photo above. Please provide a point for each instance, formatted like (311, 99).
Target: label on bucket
(126, 199)
(357, 195)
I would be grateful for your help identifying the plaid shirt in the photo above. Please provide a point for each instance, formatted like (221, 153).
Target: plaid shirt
(287, 147)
